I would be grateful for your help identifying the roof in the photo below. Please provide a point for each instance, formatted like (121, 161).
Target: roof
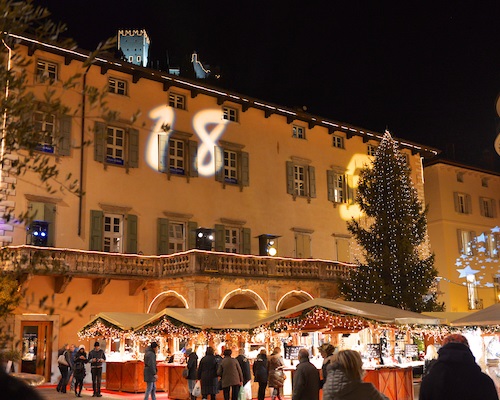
(120, 320)
(487, 316)
(370, 311)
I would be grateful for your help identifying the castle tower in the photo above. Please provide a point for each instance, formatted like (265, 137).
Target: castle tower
(134, 43)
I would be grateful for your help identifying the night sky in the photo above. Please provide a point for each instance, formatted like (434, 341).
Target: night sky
(427, 71)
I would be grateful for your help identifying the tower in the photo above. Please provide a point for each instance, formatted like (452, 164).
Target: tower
(134, 44)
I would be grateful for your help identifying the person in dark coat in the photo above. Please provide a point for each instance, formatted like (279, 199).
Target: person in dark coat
(192, 366)
(79, 362)
(150, 371)
(231, 376)
(14, 388)
(326, 350)
(306, 380)
(64, 369)
(456, 376)
(96, 358)
(260, 373)
(276, 378)
(207, 374)
(344, 380)
(244, 365)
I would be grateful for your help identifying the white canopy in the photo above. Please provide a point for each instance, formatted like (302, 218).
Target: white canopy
(488, 316)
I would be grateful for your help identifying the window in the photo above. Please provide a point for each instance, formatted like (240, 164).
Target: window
(340, 187)
(484, 182)
(302, 245)
(130, 59)
(232, 164)
(232, 239)
(342, 249)
(115, 145)
(176, 235)
(460, 177)
(54, 132)
(298, 132)
(139, 59)
(371, 150)
(113, 230)
(487, 207)
(466, 242)
(177, 154)
(177, 101)
(301, 179)
(462, 203)
(492, 244)
(338, 141)
(41, 230)
(117, 86)
(46, 71)
(231, 114)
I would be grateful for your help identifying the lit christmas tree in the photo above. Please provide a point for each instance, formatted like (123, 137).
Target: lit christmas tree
(397, 267)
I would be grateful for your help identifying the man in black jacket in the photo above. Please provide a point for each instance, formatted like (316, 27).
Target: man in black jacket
(96, 358)
(456, 376)
(306, 380)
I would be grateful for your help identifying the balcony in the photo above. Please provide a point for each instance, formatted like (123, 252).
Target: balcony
(69, 263)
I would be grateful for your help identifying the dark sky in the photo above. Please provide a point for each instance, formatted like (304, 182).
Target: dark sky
(429, 71)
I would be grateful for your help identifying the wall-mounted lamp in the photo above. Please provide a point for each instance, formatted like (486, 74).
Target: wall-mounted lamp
(268, 245)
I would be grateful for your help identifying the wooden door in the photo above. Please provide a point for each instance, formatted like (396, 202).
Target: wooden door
(36, 348)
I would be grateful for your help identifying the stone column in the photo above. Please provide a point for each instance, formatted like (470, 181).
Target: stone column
(272, 295)
(214, 294)
(201, 296)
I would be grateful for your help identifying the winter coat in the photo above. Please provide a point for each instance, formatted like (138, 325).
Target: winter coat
(456, 376)
(230, 372)
(259, 369)
(79, 364)
(428, 365)
(245, 368)
(339, 387)
(192, 366)
(306, 381)
(150, 369)
(98, 355)
(276, 378)
(207, 374)
(324, 368)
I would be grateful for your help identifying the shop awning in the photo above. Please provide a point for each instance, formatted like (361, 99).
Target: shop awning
(369, 311)
(119, 320)
(488, 316)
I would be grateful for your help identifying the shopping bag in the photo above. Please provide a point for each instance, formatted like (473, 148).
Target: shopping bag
(248, 390)
(197, 389)
(62, 360)
(241, 394)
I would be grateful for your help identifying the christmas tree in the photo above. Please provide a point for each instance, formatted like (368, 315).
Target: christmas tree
(397, 268)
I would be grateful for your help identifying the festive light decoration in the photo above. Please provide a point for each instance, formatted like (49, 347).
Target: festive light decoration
(396, 267)
(102, 328)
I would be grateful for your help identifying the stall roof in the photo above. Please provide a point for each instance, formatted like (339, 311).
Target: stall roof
(121, 320)
(207, 318)
(369, 311)
(488, 316)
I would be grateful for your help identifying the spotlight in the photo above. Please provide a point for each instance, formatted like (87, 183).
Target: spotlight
(204, 238)
(268, 245)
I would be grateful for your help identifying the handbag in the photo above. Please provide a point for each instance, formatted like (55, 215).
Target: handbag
(62, 360)
(197, 389)
(185, 372)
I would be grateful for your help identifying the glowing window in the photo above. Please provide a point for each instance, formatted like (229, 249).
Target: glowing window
(231, 114)
(46, 71)
(117, 86)
(115, 145)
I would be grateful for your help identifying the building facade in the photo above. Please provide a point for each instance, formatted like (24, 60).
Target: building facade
(463, 225)
(179, 163)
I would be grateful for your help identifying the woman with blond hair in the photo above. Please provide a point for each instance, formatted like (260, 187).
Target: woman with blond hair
(344, 380)
(430, 358)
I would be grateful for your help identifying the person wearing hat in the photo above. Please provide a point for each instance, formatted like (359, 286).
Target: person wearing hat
(150, 371)
(96, 358)
(455, 375)
(79, 371)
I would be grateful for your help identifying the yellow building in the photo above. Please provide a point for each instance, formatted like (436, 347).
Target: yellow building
(463, 226)
(180, 155)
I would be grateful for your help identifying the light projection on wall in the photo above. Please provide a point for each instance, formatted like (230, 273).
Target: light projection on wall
(208, 125)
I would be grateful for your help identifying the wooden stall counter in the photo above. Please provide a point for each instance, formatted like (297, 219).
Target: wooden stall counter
(395, 382)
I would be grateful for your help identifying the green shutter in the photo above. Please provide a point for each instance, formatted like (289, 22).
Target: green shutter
(220, 237)
(162, 153)
(219, 164)
(191, 234)
(133, 148)
(247, 241)
(245, 169)
(290, 187)
(312, 182)
(131, 234)
(64, 139)
(330, 184)
(162, 236)
(96, 229)
(193, 158)
(49, 215)
(100, 141)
